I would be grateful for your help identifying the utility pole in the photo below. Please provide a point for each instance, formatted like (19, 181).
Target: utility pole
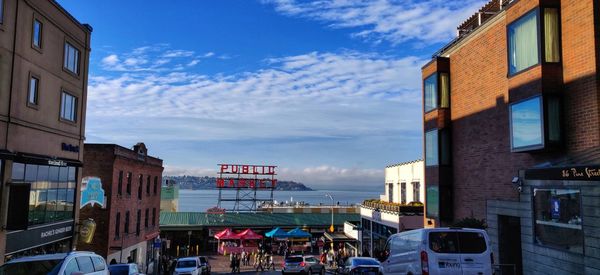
(331, 229)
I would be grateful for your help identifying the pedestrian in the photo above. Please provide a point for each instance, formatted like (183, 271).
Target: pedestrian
(330, 258)
(232, 262)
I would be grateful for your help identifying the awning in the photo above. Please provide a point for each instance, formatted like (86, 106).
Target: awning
(277, 233)
(227, 234)
(338, 237)
(298, 233)
(248, 234)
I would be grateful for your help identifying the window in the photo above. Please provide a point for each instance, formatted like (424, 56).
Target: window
(85, 264)
(129, 183)
(529, 119)
(523, 46)
(416, 191)
(138, 222)
(431, 148)
(457, 242)
(36, 39)
(68, 109)
(71, 62)
(71, 267)
(32, 97)
(141, 183)
(431, 93)
(444, 90)
(1, 11)
(126, 222)
(99, 263)
(403, 193)
(432, 201)
(148, 185)
(146, 217)
(153, 216)
(558, 219)
(118, 225)
(391, 192)
(120, 184)
(551, 35)
(155, 188)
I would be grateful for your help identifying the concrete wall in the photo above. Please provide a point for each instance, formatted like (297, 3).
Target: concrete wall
(408, 173)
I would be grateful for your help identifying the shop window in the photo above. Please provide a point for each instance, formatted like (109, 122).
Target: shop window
(416, 191)
(432, 201)
(523, 45)
(36, 39)
(551, 35)
(535, 123)
(558, 219)
(71, 56)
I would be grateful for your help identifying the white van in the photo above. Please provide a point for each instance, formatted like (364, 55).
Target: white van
(449, 251)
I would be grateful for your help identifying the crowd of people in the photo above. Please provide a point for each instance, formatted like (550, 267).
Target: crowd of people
(261, 260)
(334, 258)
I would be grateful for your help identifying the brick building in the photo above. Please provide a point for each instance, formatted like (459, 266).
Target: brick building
(512, 132)
(44, 54)
(128, 224)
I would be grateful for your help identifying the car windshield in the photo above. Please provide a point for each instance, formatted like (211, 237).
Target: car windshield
(365, 262)
(44, 267)
(119, 270)
(185, 264)
(293, 259)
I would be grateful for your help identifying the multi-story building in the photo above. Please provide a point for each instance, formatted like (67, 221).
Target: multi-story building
(44, 55)
(399, 209)
(128, 224)
(512, 132)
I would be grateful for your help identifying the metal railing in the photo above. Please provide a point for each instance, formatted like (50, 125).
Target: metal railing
(404, 209)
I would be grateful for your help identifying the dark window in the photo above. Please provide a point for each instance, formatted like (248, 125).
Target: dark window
(71, 62)
(431, 148)
(126, 222)
(558, 219)
(148, 185)
(36, 39)
(153, 216)
(34, 84)
(120, 184)
(391, 192)
(155, 185)
(457, 242)
(138, 223)
(146, 218)
(1, 11)
(403, 192)
(416, 191)
(129, 183)
(471, 242)
(85, 264)
(118, 225)
(68, 107)
(432, 201)
(523, 45)
(141, 183)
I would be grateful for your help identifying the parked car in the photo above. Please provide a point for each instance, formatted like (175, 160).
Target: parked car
(302, 265)
(124, 269)
(360, 265)
(188, 266)
(433, 251)
(72, 263)
(205, 265)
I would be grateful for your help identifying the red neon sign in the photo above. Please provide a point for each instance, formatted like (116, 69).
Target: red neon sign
(244, 169)
(246, 176)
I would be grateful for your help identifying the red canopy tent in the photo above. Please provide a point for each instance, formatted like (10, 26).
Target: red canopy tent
(248, 234)
(227, 234)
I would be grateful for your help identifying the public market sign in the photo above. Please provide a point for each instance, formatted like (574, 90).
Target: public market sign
(579, 173)
(92, 192)
(246, 176)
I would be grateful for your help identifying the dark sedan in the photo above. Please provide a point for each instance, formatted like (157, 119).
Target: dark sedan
(360, 265)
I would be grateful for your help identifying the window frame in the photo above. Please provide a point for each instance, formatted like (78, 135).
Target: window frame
(77, 62)
(539, 44)
(437, 93)
(120, 184)
(2, 8)
(35, 104)
(128, 187)
(427, 204)
(533, 217)
(155, 186)
(416, 191)
(542, 28)
(437, 142)
(140, 186)
(75, 108)
(403, 199)
(41, 34)
(545, 123)
(118, 225)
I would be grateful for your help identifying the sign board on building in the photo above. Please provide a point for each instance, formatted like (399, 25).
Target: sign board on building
(25, 239)
(246, 176)
(585, 173)
(92, 192)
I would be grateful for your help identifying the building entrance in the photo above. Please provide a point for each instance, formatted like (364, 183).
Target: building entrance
(509, 246)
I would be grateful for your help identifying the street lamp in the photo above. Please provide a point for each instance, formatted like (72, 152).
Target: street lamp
(331, 229)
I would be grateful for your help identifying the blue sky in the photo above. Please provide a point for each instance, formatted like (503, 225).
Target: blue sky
(329, 91)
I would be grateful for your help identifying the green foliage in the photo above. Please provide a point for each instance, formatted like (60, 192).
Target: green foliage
(470, 222)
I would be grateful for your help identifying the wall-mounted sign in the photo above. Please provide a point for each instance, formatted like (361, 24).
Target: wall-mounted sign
(92, 192)
(25, 239)
(246, 176)
(55, 162)
(69, 147)
(585, 173)
(87, 230)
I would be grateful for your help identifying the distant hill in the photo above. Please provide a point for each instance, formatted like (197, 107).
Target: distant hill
(201, 183)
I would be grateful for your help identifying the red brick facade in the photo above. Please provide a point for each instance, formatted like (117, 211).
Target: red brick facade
(482, 162)
(107, 161)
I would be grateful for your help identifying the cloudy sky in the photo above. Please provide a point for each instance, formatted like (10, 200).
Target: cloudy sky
(327, 90)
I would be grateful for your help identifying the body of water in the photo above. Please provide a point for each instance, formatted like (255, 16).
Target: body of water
(200, 200)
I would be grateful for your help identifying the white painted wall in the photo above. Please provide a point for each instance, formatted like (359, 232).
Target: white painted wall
(409, 173)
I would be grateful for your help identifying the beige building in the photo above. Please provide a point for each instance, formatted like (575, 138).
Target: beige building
(44, 55)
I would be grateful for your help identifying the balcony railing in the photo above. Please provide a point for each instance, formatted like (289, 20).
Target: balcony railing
(414, 209)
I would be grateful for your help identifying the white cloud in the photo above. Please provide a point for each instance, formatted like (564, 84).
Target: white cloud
(155, 58)
(110, 60)
(208, 54)
(193, 63)
(396, 21)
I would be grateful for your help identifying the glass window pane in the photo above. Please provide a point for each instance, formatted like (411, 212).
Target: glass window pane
(526, 122)
(551, 35)
(37, 33)
(472, 242)
(33, 89)
(51, 205)
(431, 148)
(523, 43)
(553, 108)
(445, 90)
(31, 172)
(53, 173)
(66, 63)
(43, 171)
(85, 264)
(63, 174)
(558, 219)
(18, 171)
(432, 201)
(443, 242)
(72, 171)
(430, 93)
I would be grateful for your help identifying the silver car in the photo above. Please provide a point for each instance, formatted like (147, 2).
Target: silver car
(302, 265)
(360, 265)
